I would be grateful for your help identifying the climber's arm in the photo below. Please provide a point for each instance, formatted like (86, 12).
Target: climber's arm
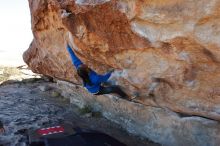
(98, 79)
(75, 60)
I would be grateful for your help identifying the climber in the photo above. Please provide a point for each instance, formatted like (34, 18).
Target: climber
(93, 81)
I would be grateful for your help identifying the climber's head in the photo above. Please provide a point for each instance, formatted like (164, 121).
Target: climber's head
(83, 71)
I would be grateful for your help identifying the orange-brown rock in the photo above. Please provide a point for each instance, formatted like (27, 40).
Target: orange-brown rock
(165, 52)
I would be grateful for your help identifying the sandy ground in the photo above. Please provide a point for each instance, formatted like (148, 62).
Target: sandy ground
(28, 101)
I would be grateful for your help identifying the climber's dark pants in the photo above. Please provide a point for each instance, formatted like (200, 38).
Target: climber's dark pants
(112, 89)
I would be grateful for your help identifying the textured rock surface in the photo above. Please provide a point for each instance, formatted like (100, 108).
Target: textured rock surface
(160, 125)
(165, 52)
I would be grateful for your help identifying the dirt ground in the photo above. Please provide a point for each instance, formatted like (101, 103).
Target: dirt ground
(28, 102)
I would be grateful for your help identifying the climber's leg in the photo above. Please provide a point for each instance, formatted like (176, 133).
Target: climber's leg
(113, 89)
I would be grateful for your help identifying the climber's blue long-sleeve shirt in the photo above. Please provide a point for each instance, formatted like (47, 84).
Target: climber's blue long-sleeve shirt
(95, 78)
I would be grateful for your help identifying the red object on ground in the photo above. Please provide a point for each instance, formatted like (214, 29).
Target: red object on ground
(50, 130)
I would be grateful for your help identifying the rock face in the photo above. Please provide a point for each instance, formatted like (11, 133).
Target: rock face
(160, 125)
(167, 53)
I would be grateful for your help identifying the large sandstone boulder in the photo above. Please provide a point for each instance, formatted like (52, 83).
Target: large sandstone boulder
(165, 52)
